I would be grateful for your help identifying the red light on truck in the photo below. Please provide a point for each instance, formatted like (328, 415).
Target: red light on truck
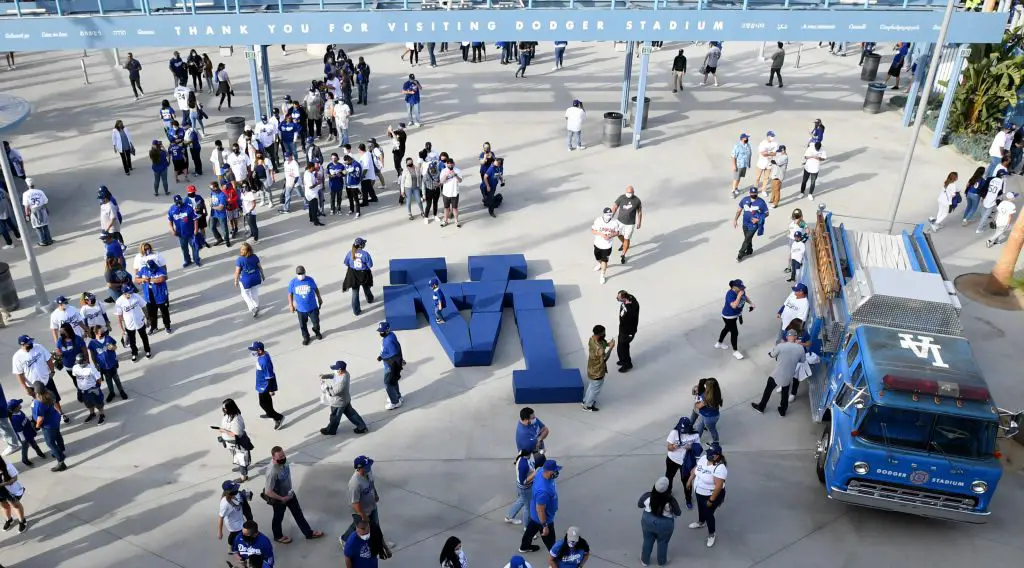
(935, 388)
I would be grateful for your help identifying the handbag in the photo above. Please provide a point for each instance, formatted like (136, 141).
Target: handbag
(245, 442)
(957, 199)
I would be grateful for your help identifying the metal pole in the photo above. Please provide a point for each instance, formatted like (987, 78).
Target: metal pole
(265, 58)
(799, 48)
(117, 58)
(254, 83)
(915, 86)
(84, 72)
(627, 78)
(761, 55)
(933, 68)
(18, 211)
(947, 100)
(641, 91)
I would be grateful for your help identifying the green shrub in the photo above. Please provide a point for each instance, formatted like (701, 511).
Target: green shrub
(974, 146)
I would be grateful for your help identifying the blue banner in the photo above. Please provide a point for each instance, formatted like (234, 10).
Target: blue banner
(185, 30)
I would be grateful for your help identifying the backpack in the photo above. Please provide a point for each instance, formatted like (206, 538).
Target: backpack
(983, 188)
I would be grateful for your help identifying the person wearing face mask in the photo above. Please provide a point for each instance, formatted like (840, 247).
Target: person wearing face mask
(305, 300)
(681, 451)
(253, 548)
(335, 182)
(530, 432)
(234, 511)
(658, 520)
(182, 221)
(362, 493)
(543, 507)
(527, 464)
(334, 392)
(486, 159)
(282, 497)
(32, 364)
(219, 214)
(46, 416)
(492, 178)
(604, 229)
(357, 549)
(452, 555)
(266, 383)
(391, 357)
(629, 212)
(410, 182)
(450, 179)
(312, 188)
(708, 481)
(572, 551)
(353, 183)
(89, 383)
(232, 435)
(65, 313)
(103, 349)
(239, 162)
(629, 317)
(359, 274)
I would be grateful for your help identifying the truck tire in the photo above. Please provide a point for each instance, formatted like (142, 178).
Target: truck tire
(821, 452)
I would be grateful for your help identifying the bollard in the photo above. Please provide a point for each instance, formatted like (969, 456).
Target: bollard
(84, 72)
(799, 48)
(117, 58)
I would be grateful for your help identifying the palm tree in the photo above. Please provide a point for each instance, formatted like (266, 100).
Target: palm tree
(1002, 273)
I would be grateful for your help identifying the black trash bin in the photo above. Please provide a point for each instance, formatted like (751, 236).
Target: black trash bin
(8, 293)
(612, 134)
(235, 125)
(869, 69)
(873, 98)
(632, 111)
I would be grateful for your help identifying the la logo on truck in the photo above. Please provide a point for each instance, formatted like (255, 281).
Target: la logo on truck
(924, 348)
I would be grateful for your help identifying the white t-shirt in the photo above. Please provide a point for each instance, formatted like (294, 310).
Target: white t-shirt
(608, 229)
(450, 182)
(16, 488)
(769, 146)
(36, 201)
(130, 308)
(141, 260)
(32, 363)
(998, 145)
(946, 195)
(797, 250)
(69, 314)
(813, 160)
(683, 441)
(181, 95)
(794, 308)
(1004, 212)
(93, 315)
(239, 164)
(86, 376)
(248, 201)
(292, 173)
(704, 481)
(232, 515)
(341, 113)
(574, 117)
(311, 186)
(995, 187)
(217, 158)
(365, 160)
(108, 217)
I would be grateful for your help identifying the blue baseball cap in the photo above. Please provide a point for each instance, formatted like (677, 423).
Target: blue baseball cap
(177, 200)
(383, 327)
(552, 465)
(713, 451)
(771, 133)
(361, 462)
(801, 287)
(737, 283)
(229, 486)
(256, 346)
(752, 190)
(102, 192)
(309, 139)
(434, 282)
(744, 136)
(360, 241)
(339, 366)
(61, 300)
(25, 340)
(13, 403)
(517, 562)
(127, 289)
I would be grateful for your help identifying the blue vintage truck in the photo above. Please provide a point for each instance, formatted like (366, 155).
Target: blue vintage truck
(908, 421)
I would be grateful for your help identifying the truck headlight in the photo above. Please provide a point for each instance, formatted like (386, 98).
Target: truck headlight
(979, 487)
(860, 468)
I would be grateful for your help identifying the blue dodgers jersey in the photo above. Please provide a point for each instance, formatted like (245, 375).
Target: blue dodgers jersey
(439, 300)
(303, 293)
(183, 218)
(218, 199)
(336, 176)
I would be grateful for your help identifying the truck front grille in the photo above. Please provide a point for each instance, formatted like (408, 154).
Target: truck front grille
(912, 495)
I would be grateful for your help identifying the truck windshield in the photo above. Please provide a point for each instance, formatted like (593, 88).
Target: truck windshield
(954, 436)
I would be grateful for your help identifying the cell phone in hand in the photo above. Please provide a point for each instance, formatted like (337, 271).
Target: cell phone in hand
(214, 427)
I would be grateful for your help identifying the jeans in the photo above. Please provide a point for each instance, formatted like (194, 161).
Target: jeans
(506, 53)
(113, 380)
(414, 194)
(559, 55)
(343, 136)
(993, 161)
(55, 442)
(430, 51)
(767, 394)
(189, 250)
(158, 177)
(300, 519)
(355, 298)
(294, 189)
(972, 206)
(362, 88)
(30, 443)
(309, 317)
(593, 389)
(414, 112)
(656, 530)
(522, 503)
(577, 136)
(808, 177)
(706, 511)
(43, 233)
(532, 528)
(709, 422)
(348, 412)
(391, 386)
(7, 433)
(254, 230)
(197, 122)
(622, 349)
(6, 227)
(986, 212)
(289, 147)
(214, 221)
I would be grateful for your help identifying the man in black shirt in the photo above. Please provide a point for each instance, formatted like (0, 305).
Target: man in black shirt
(629, 317)
(678, 71)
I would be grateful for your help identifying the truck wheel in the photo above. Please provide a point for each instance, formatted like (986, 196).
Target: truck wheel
(821, 452)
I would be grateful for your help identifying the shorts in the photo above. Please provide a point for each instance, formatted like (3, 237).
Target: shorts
(450, 202)
(602, 255)
(739, 173)
(627, 231)
(234, 214)
(710, 70)
(7, 497)
(180, 167)
(93, 398)
(894, 70)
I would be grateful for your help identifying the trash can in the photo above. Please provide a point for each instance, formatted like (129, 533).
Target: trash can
(612, 135)
(8, 294)
(869, 69)
(873, 98)
(647, 108)
(235, 125)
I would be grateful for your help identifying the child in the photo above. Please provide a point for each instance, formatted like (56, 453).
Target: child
(796, 254)
(89, 383)
(104, 356)
(178, 159)
(1004, 214)
(25, 431)
(233, 206)
(796, 224)
(439, 300)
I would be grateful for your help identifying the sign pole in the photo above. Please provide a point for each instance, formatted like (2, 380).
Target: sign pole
(254, 82)
(933, 68)
(18, 212)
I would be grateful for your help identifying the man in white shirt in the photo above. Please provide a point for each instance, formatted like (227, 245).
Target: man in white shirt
(1004, 214)
(218, 157)
(574, 118)
(34, 201)
(450, 177)
(267, 135)
(292, 181)
(31, 363)
(109, 221)
(765, 152)
(605, 229)
(369, 175)
(1000, 146)
(813, 158)
(88, 380)
(995, 190)
(342, 112)
(796, 306)
(239, 163)
(312, 187)
(66, 313)
(130, 315)
(181, 93)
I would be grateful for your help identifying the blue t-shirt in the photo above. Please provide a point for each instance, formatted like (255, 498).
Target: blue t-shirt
(573, 556)
(175, 133)
(439, 300)
(161, 163)
(183, 218)
(754, 212)
(260, 546)
(51, 418)
(266, 380)
(358, 551)
(415, 88)
(250, 271)
(114, 249)
(335, 176)
(288, 130)
(69, 349)
(303, 293)
(154, 293)
(177, 152)
(105, 357)
(493, 174)
(354, 174)
(218, 199)
(167, 114)
(361, 261)
(730, 312)
(544, 493)
(389, 346)
(526, 435)
(741, 152)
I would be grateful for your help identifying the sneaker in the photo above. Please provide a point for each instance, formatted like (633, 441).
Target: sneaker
(22, 526)
(778, 389)
(305, 342)
(689, 506)
(149, 355)
(597, 267)
(603, 279)
(962, 224)
(362, 430)
(721, 345)
(319, 336)
(810, 198)
(756, 408)
(103, 418)
(8, 524)
(401, 401)
(642, 563)
(737, 355)
(586, 408)
(711, 541)
(582, 147)
(90, 417)
(389, 406)
(530, 548)
(59, 467)
(782, 413)
(426, 220)
(8, 246)
(513, 521)
(278, 423)
(28, 463)
(792, 397)
(622, 259)
(696, 525)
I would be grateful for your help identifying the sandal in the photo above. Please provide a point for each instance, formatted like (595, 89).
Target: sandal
(315, 535)
(283, 539)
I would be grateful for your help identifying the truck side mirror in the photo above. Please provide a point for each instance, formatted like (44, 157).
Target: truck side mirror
(1009, 422)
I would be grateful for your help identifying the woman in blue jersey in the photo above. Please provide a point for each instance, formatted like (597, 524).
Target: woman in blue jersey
(166, 113)
(248, 277)
(360, 273)
(732, 315)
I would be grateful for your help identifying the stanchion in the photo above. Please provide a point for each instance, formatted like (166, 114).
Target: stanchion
(84, 72)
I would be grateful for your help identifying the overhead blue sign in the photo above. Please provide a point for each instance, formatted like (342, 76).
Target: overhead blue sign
(185, 30)
(496, 282)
